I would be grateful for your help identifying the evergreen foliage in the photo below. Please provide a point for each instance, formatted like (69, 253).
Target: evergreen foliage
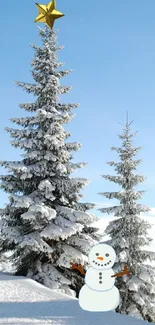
(128, 233)
(44, 223)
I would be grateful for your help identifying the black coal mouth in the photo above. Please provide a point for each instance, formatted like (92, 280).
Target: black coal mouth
(105, 264)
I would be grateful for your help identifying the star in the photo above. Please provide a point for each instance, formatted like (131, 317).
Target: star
(48, 13)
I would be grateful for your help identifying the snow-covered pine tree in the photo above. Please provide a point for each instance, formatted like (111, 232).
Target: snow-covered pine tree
(128, 233)
(45, 224)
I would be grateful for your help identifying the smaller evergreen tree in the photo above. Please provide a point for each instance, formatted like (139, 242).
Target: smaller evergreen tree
(129, 234)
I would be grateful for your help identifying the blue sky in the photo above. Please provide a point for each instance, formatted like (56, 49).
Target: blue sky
(110, 46)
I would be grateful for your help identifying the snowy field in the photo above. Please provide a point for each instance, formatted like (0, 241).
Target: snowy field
(25, 302)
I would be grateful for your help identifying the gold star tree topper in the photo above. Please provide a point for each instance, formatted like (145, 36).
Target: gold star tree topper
(48, 14)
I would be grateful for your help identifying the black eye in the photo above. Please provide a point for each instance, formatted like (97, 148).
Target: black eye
(97, 254)
(107, 255)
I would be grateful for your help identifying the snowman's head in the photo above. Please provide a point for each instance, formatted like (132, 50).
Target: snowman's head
(102, 256)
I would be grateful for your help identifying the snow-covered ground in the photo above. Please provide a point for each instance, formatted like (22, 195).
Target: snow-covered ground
(23, 301)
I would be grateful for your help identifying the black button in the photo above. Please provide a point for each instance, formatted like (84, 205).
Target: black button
(100, 277)
(100, 273)
(100, 281)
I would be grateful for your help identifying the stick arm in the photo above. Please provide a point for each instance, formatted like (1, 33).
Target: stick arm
(125, 271)
(78, 267)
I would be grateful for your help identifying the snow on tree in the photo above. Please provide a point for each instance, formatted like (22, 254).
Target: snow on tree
(129, 233)
(46, 225)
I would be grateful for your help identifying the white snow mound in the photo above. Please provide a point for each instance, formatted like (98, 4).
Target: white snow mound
(23, 301)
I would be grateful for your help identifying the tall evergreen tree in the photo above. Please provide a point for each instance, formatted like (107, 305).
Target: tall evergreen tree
(129, 233)
(45, 224)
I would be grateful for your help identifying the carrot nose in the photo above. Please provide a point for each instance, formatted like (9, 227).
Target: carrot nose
(100, 258)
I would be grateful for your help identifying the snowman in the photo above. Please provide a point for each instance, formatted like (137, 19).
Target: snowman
(99, 292)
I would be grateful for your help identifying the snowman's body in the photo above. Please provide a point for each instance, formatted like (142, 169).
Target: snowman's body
(98, 301)
(99, 292)
(99, 280)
